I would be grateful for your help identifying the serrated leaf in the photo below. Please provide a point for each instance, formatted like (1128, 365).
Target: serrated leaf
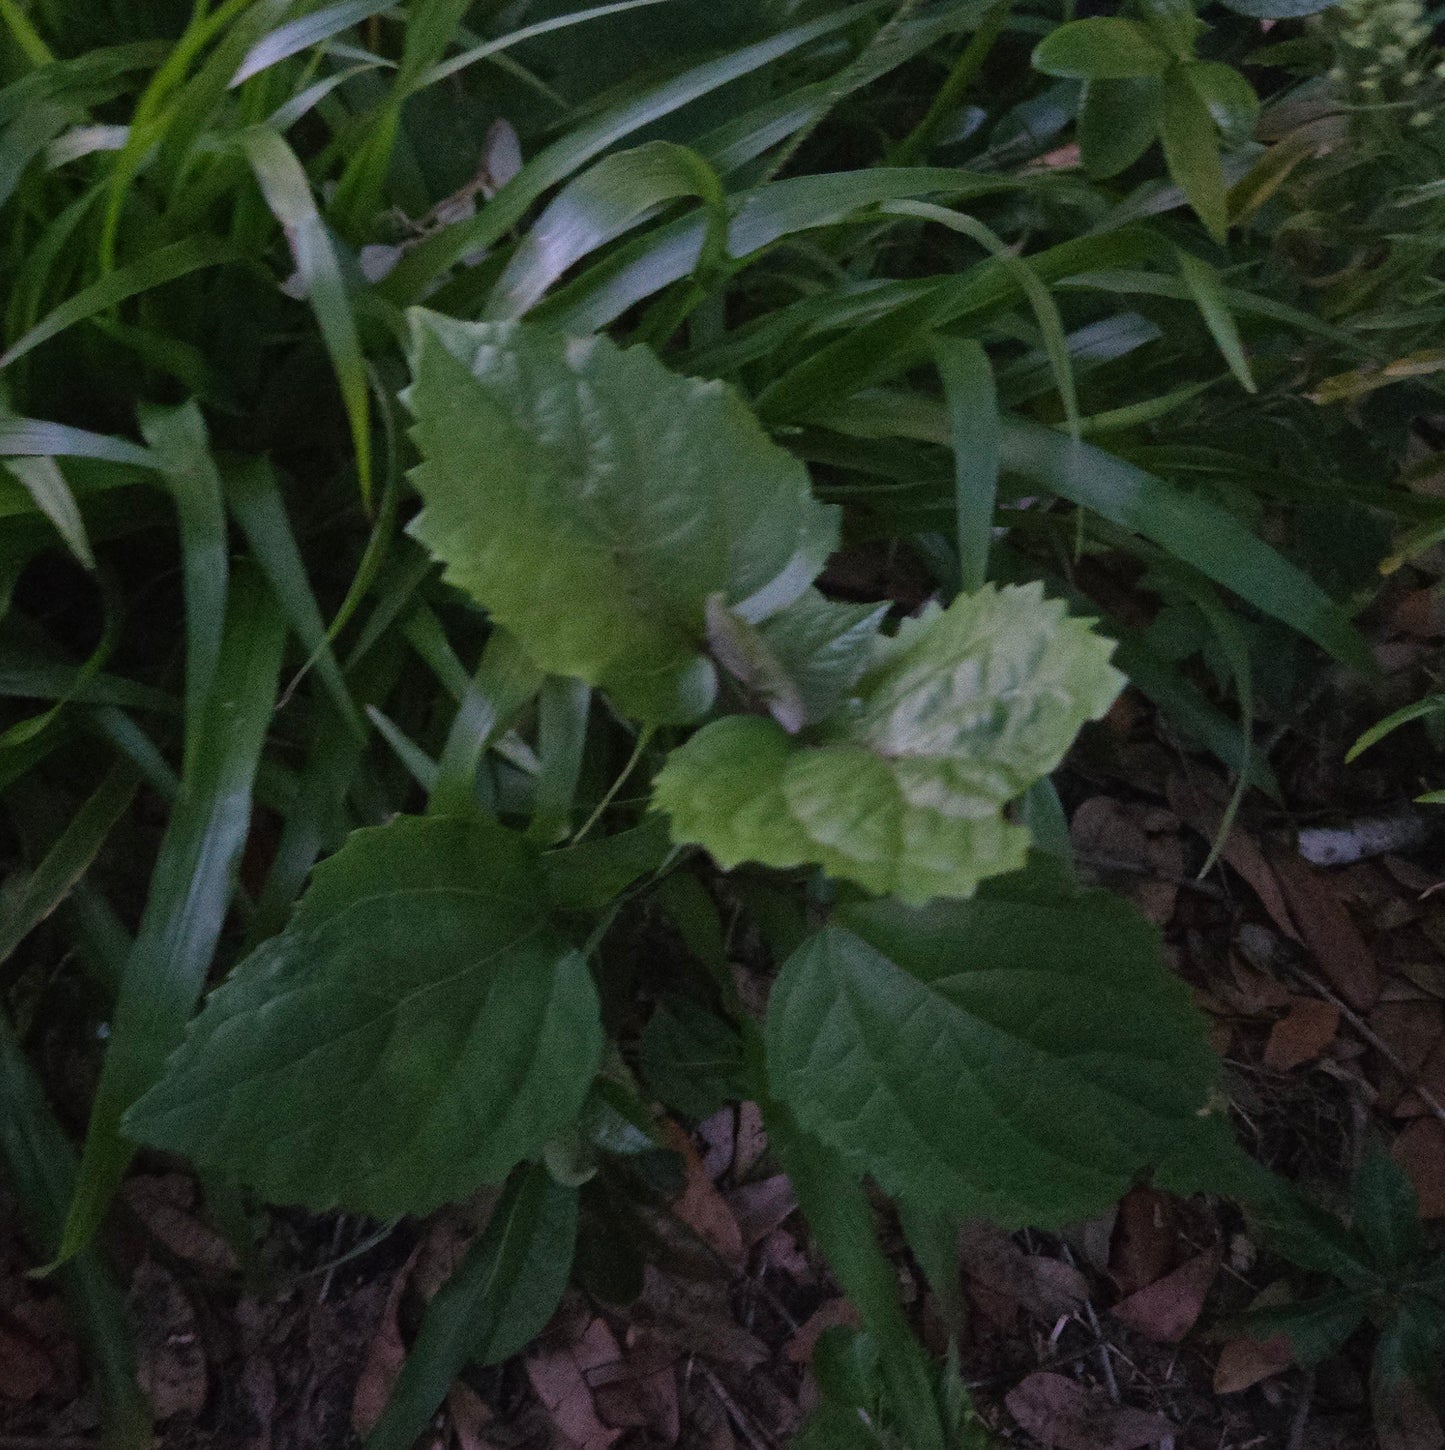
(1013, 1058)
(593, 501)
(1103, 47)
(904, 791)
(804, 661)
(417, 1030)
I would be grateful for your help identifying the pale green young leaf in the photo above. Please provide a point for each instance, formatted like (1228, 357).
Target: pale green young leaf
(1020, 1057)
(904, 791)
(1191, 151)
(417, 1030)
(593, 501)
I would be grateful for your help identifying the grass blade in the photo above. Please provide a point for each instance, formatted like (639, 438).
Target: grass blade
(1187, 526)
(35, 438)
(427, 262)
(42, 479)
(190, 889)
(178, 439)
(972, 402)
(304, 32)
(288, 194)
(1209, 294)
(41, 1165)
(167, 264)
(68, 859)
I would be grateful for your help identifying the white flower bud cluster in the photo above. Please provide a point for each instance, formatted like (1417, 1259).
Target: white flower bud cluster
(1383, 57)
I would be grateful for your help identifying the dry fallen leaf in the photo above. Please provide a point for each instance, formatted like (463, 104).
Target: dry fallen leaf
(1145, 1239)
(559, 1376)
(752, 1140)
(761, 1207)
(26, 1370)
(701, 1207)
(163, 1202)
(1301, 1034)
(1329, 932)
(639, 1391)
(1108, 832)
(1405, 1419)
(383, 1359)
(170, 1362)
(469, 1415)
(1045, 1287)
(1420, 1151)
(1166, 1310)
(1245, 1362)
(1065, 1416)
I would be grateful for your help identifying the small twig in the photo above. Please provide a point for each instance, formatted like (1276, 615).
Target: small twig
(1151, 873)
(1104, 1359)
(1436, 1107)
(752, 1432)
(1302, 1412)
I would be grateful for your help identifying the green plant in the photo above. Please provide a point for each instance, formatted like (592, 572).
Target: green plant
(498, 507)
(1380, 1271)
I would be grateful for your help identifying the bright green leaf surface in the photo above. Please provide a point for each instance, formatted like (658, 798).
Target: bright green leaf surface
(416, 1031)
(904, 792)
(1100, 48)
(592, 500)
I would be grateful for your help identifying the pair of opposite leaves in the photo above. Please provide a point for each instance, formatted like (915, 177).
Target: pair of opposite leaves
(424, 1023)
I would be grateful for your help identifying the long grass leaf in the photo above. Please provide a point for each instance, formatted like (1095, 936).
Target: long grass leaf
(255, 501)
(36, 438)
(43, 480)
(415, 273)
(182, 448)
(288, 194)
(40, 1163)
(1212, 300)
(304, 32)
(190, 888)
(972, 402)
(68, 859)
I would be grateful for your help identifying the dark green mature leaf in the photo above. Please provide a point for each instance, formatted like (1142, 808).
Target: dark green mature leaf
(691, 1058)
(418, 1029)
(1316, 1328)
(1019, 1057)
(616, 497)
(1117, 121)
(1229, 97)
(498, 1301)
(1411, 1343)
(1100, 48)
(904, 791)
(1386, 1210)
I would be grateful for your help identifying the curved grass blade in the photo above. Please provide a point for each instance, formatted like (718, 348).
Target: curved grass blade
(1416, 710)
(761, 217)
(34, 438)
(1187, 526)
(157, 268)
(68, 859)
(563, 708)
(972, 402)
(420, 267)
(615, 195)
(304, 32)
(183, 451)
(42, 479)
(190, 889)
(1045, 309)
(287, 192)
(41, 1165)
(255, 500)
(1213, 303)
